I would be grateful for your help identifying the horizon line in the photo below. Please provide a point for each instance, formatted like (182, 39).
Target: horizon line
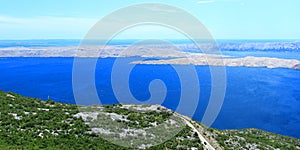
(150, 39)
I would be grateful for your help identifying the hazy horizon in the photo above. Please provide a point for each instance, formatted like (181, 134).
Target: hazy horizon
(72, 20)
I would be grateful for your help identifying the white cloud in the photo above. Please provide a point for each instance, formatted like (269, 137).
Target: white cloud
(241, 2)
(47, 21)
(205, 1)
(44, 27)
(161, 8)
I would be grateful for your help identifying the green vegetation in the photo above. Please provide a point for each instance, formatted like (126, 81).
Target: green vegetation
(139, 119)
(29, 123)
(254, 139)
(181, 141)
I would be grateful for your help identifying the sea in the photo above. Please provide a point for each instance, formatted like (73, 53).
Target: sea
(267, 99)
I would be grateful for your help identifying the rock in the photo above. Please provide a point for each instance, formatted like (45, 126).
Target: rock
(297, 67)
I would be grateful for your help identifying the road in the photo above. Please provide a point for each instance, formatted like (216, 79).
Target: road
(207, 146)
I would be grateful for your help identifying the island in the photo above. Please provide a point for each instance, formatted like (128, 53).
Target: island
(169, 54)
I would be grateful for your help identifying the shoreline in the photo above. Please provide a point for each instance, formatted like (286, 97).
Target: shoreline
(198, 60)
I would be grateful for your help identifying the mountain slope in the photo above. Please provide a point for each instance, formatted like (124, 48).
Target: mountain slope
(29, 123)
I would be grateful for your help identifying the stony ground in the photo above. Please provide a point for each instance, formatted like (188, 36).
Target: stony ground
(29, 123)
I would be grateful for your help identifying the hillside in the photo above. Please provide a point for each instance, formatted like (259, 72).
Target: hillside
(29, 123)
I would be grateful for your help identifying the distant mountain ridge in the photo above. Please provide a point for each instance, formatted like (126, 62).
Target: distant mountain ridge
(261, 46)
(247, 46)
(186, 44)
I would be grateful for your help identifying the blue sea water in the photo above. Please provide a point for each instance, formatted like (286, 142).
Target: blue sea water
(267, 99)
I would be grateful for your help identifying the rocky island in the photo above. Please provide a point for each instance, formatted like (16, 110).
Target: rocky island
(169, 54)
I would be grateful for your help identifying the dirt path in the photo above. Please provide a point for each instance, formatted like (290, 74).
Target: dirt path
(205, 143)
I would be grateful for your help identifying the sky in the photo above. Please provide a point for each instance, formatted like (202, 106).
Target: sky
(224, 19)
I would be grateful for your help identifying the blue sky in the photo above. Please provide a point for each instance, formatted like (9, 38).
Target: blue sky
(225, 19)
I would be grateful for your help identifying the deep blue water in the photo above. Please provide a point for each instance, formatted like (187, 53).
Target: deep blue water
(261, 98)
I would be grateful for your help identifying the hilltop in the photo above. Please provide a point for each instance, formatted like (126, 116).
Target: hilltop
(30, 123)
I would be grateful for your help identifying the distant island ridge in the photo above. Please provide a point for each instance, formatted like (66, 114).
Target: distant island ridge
(180, 53)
